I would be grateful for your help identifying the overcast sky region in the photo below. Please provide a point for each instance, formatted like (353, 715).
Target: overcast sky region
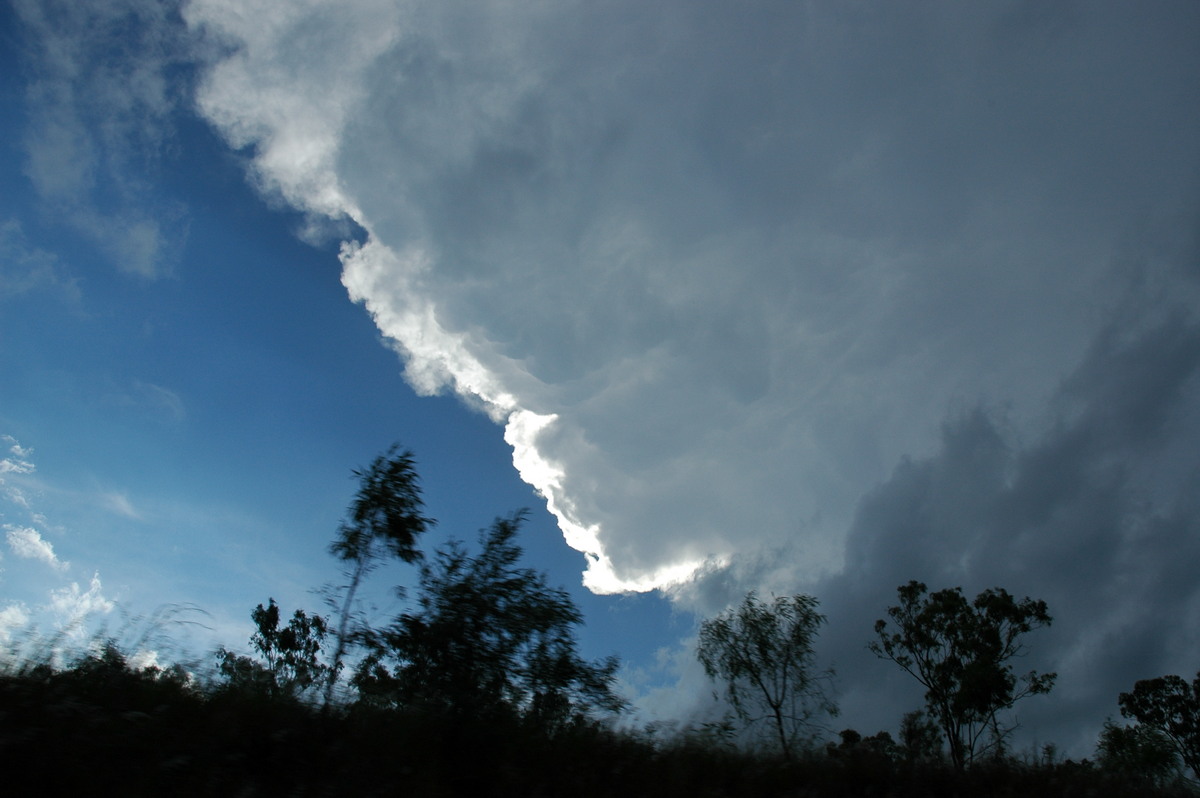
(787, 296)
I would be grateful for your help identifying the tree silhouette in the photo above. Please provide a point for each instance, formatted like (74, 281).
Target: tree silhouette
(1172, 707)
(291, 653)
(1139, 751)
(961, 652)
(384, 520)
(764, 655)
(489, 636)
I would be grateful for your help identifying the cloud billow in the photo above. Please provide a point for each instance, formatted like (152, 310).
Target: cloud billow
(718, 269)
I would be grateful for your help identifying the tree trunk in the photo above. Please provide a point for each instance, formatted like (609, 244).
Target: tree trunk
(339, 650)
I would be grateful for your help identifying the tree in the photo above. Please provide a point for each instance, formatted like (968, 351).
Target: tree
(291, 653)
(384, 520)
(489, 636)
(1168, 705)
(1140, 752)
(764, 655)
(920, 737)
(961, 652)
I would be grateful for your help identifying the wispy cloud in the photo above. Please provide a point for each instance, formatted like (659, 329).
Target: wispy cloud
(99, 103)
(17, 461)
(163, 400)
(25, 269)
(120, 504)
(28, 542)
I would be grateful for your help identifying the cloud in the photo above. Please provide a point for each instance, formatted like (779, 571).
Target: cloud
(13, 618)
(48, 602)
(717, 270)
(1097, 515)
(73, 606)
(782, 297)
(163, 401)
(28, 542)
(16, 463)
(99, 102)
(120, 504)
(25, 269)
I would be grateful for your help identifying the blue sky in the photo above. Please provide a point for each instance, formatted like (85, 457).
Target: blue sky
(783, 297)
(192, 433)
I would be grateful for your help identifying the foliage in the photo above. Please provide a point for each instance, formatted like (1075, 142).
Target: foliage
(385, 513)
(1140, 752)
(490, 637)
(763, 653)
(877, 751)
(384, 520)
(291, 654)
(920, 737)
(961, 653)
(1171, 707)
(103, 727)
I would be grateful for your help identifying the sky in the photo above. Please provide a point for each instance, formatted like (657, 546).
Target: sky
(777, 296)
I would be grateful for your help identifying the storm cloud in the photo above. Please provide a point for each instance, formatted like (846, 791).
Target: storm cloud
(720, 267)
(786, 296)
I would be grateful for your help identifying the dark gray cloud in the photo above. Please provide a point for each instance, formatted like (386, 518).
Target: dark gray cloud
(1095, 516)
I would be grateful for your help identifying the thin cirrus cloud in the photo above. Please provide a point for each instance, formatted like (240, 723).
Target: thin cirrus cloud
(719, 268)
(99, 98)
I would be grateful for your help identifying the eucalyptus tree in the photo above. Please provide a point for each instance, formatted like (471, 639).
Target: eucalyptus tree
(291, 654)
(764, 655)
(1139, 752)
(383, 521)
(488, 636)
(1171, 707)
(962, 653)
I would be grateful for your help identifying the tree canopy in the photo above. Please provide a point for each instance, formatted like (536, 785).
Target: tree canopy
(1171, 707)
(962, 653)
(764, 655)
(488, 636)
(291, 654)
(384, 520)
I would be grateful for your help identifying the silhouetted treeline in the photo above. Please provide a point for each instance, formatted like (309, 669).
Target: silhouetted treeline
(101, 727)
(477, 689)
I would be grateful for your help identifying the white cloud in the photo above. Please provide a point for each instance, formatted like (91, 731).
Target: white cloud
(14, 617)
(16, 464)
(28, 542)
(19, 462)
(16, 448)
(73, 606)
(143, 658)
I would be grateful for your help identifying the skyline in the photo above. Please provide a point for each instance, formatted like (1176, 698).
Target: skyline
(787, 298)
